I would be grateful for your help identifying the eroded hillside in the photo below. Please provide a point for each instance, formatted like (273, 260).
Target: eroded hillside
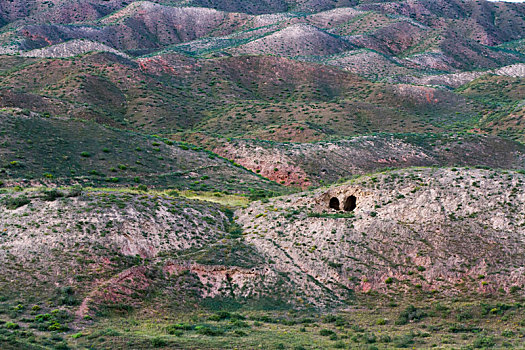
(277, 70)
(107, 262)
(393, 232)
(404, 231)
(124, 248)
(311, 164)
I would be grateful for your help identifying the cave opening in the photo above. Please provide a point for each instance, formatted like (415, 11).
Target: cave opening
(350, 203)
(334, 203)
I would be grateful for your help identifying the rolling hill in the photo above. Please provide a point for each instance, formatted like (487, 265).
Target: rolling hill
(39, 151)
(270, 174)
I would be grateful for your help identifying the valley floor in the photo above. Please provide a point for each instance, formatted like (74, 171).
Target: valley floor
(388, 324)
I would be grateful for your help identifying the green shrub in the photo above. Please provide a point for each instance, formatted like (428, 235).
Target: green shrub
(224, 315)
(381, 322)
(410, 314)
(179, 326)
(326, 332)
(58, 327)
(329, 319)
(13, 203)
(43, 317)
(385, 338)
(75, 191)
(175, 332)
(158, 342)
(11, 325)
(461, 328)
(339, 345)
(497, 309)
(344, 215)
(66, 296)
(51, 195)
(404, 341)
(209, 330)
(61, 346)
(464, 315)
(483, 341)
(370, 338)
(259, 194)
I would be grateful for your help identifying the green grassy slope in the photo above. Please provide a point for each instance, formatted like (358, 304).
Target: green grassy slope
(65, 151)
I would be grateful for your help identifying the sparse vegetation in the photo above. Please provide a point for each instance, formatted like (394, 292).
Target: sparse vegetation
(274, 174)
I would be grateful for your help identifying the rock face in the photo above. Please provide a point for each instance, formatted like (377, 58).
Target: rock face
(451, 231)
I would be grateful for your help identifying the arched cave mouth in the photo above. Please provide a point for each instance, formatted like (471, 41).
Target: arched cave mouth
(334, 203)
(350, 203)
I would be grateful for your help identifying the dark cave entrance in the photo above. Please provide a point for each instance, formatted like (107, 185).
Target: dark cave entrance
(334, 203)
(350, 203)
